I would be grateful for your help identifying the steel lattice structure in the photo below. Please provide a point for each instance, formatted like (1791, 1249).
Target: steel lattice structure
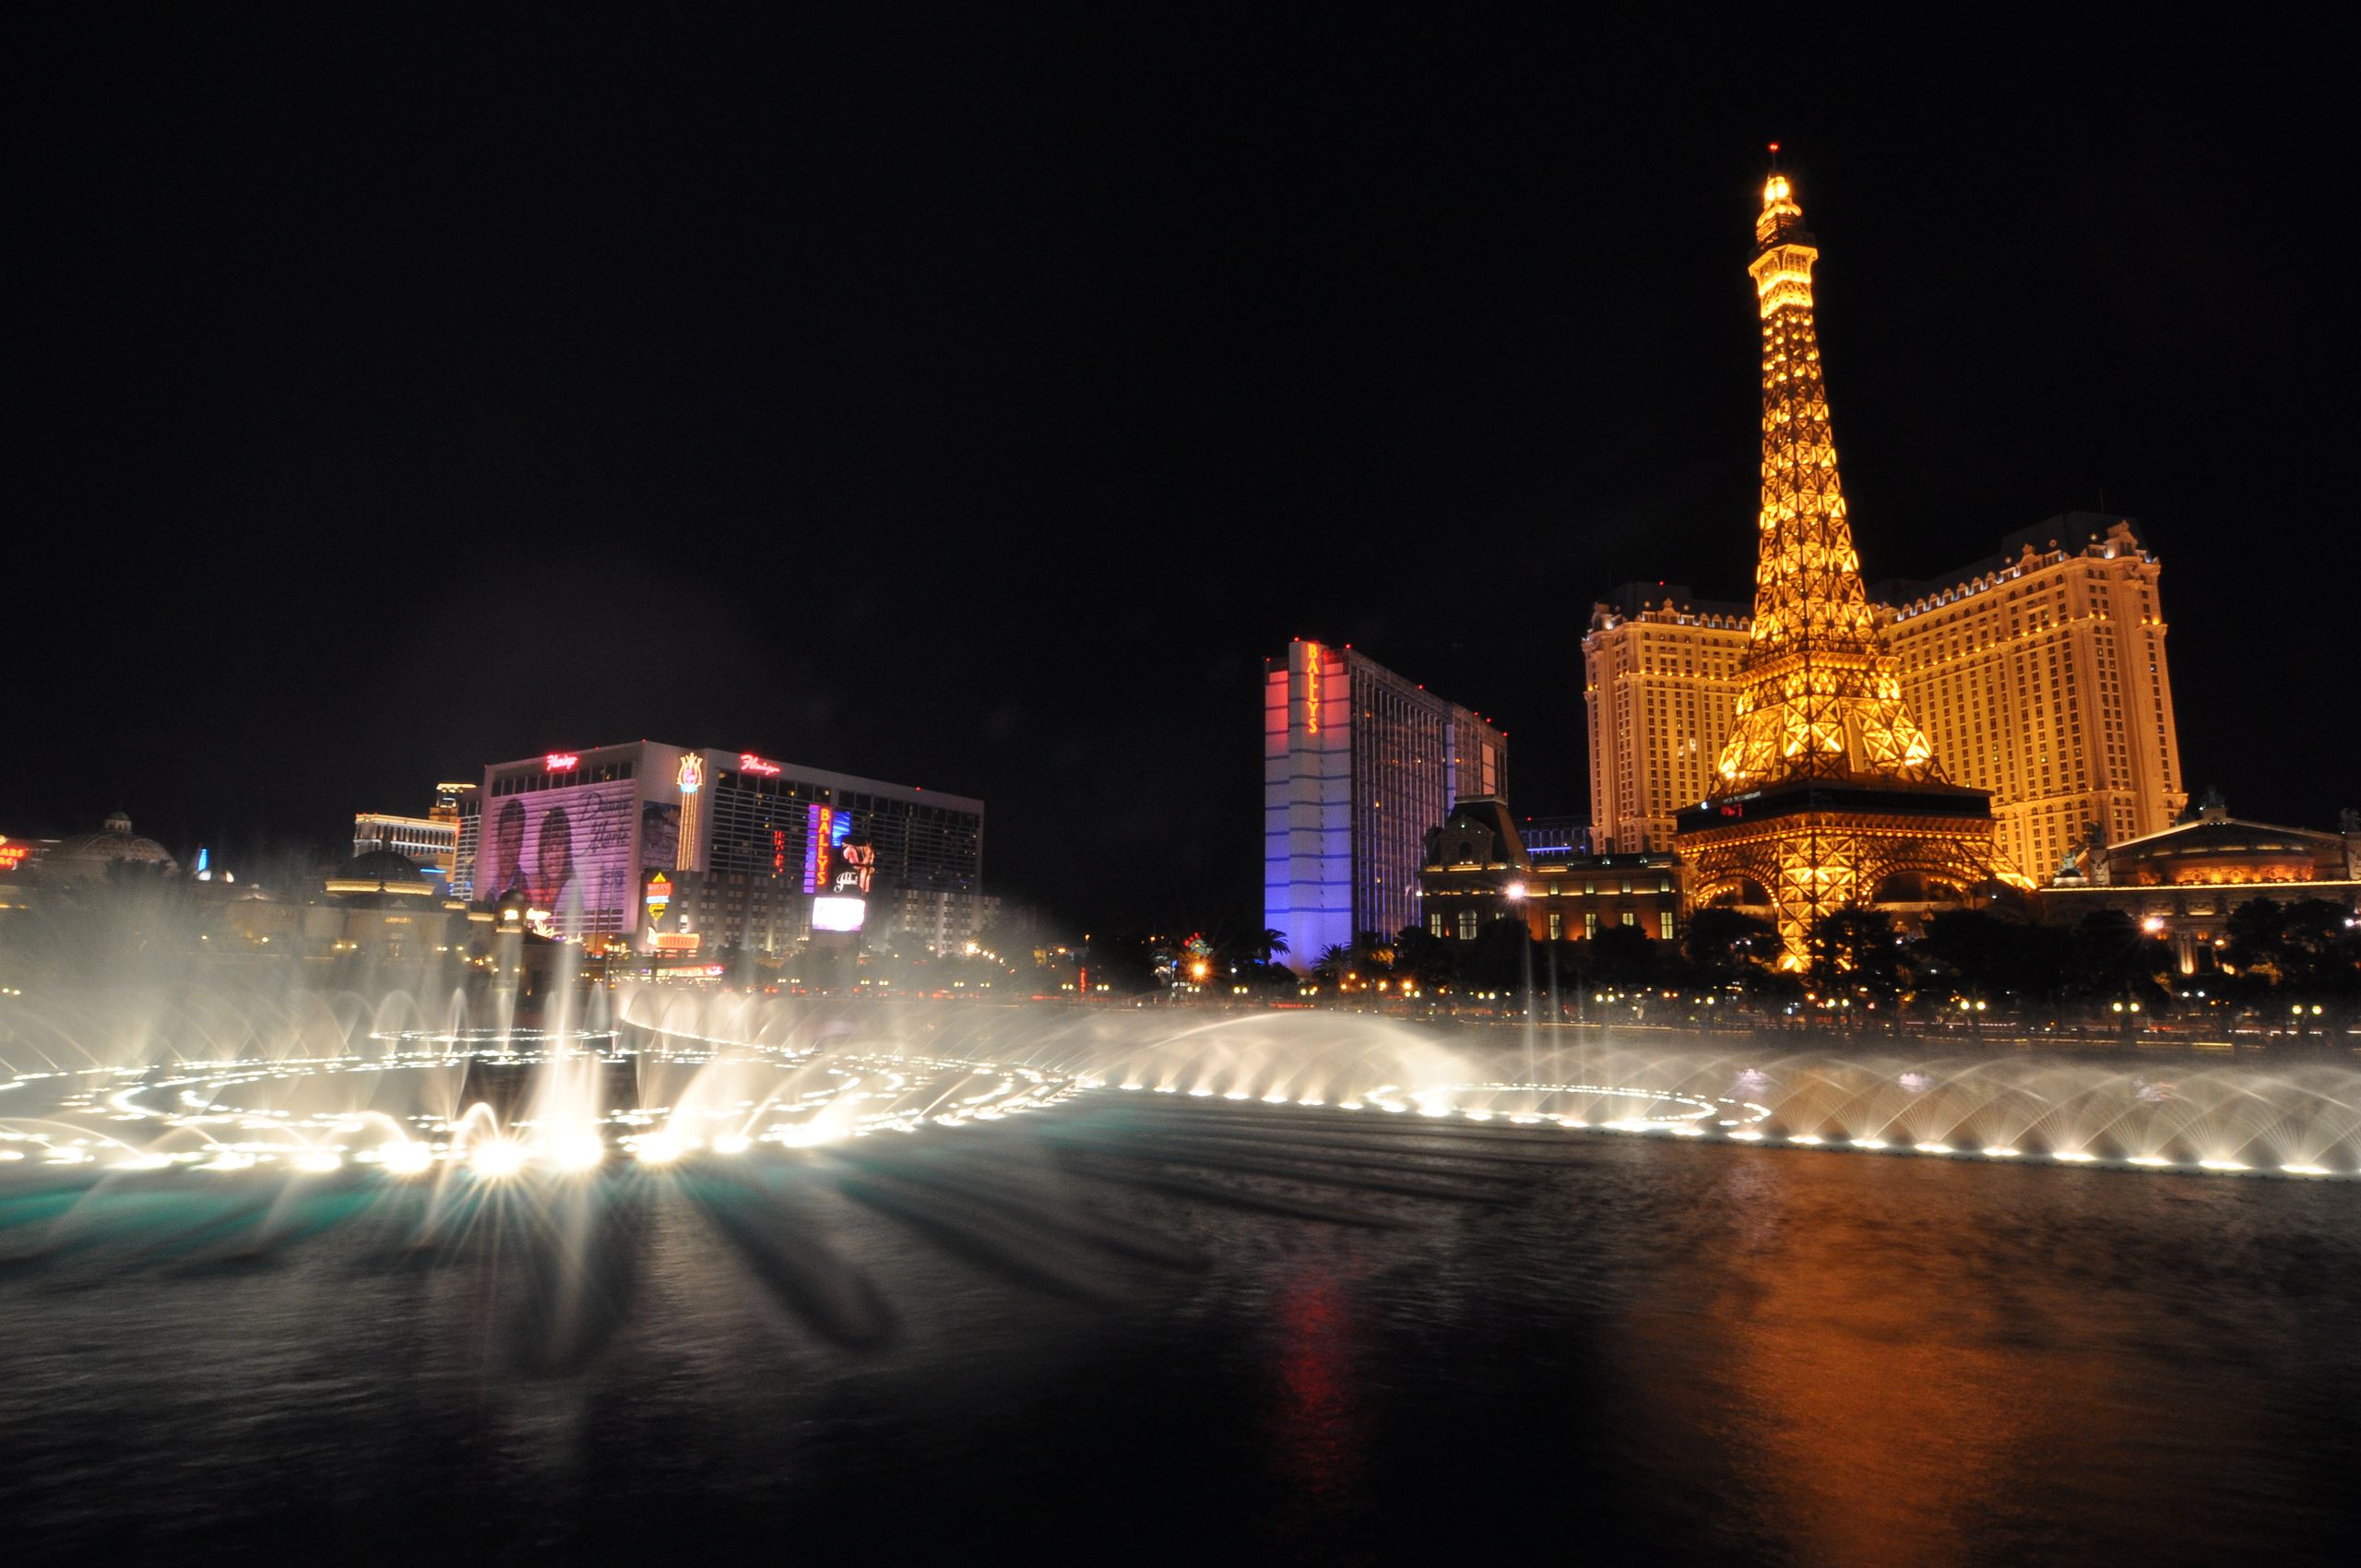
(1827, 787)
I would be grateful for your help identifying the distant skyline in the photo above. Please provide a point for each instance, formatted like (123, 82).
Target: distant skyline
(978, 410)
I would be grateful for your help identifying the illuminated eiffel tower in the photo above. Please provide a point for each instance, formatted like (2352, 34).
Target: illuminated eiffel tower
(1827, 794)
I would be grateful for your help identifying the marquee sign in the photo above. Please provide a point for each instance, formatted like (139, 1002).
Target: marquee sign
(562, 761)
(749, 763)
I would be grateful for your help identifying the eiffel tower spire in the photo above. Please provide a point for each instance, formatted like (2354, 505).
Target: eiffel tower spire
(1820, 698)
(1826, 796)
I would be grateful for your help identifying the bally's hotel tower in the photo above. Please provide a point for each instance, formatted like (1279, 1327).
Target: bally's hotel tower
(1358, 763)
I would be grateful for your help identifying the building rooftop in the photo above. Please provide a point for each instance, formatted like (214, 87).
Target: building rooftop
(2069, 532)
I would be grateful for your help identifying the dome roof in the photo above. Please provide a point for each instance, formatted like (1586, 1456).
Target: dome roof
(91, 856)
(379, 871)
(382, 865)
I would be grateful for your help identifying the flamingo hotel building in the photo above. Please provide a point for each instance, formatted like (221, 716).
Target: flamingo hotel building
(672, 850)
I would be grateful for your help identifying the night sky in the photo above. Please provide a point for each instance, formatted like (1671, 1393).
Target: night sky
(978, 408)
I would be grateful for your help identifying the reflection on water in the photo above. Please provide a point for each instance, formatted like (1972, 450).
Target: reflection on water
(1623, 1348)
(1958, 1365)
(1319, 1424)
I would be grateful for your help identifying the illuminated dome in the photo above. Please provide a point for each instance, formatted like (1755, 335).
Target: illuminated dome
(380, 871)
(92, 857)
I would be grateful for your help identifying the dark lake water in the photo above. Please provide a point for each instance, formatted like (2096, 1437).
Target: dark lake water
(1609, 1349)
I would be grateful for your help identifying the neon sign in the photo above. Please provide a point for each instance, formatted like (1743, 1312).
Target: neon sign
(778, 851)
(692, 774)
(660, 897)
(13, 855)
(749, 763)
(819, 827)
(1311, 689)
(561, 762)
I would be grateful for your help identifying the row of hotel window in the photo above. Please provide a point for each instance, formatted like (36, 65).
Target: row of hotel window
(1471, 921)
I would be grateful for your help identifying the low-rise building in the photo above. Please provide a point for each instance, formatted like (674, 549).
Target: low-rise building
(2183, 883)
(1477, 870)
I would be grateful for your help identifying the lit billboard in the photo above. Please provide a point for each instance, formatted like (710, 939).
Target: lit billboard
(830, 912)
(568, 852)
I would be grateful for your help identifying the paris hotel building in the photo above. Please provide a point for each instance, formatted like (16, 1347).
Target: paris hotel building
(2039, 674)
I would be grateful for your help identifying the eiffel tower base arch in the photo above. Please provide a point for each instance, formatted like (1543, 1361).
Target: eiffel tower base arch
(1816, 847)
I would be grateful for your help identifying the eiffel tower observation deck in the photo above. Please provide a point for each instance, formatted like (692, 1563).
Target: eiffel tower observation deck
(1828, 794)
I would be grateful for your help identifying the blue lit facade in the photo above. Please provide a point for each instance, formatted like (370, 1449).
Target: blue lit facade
(1358, 763)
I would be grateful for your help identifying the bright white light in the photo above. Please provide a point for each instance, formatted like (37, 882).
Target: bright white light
(1807, 1139)
(657, 1148)
(2075, 1156)
(319, 1159)
(1746, 1134)
(1868, 1143)
(2305, 1170)
(2224, 1165)
(2150, 1160)
(497, 1156)
(824, 1128)
(407, 1158)
(577, 1151)
(831, 912)
(2001, 1151)
(1933, 1148)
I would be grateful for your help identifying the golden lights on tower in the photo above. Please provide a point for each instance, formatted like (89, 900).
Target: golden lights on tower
(1820, 697)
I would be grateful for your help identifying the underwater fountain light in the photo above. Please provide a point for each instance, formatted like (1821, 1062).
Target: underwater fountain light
(657, 1148)
(496, 1158)
(406, 1159)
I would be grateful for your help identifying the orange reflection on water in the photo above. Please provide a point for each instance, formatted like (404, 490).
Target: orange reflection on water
(1870, 1392)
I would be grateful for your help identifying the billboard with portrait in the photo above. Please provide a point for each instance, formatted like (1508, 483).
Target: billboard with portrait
(568, 852)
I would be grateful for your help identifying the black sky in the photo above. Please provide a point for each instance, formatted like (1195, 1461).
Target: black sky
(979, 408)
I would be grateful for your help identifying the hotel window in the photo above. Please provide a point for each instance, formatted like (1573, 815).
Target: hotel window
(1590, 923)
(1557, 925)
(1466, 925)
(1437, 924)
(1663, 925)
(1630, 918)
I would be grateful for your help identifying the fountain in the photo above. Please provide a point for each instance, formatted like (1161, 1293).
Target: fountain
(221, 1127)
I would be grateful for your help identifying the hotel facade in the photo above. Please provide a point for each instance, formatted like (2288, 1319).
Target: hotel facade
(1358, 764)
(664, 850)
(2039, 674)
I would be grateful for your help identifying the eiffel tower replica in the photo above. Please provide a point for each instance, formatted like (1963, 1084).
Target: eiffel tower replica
(1827, 795)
